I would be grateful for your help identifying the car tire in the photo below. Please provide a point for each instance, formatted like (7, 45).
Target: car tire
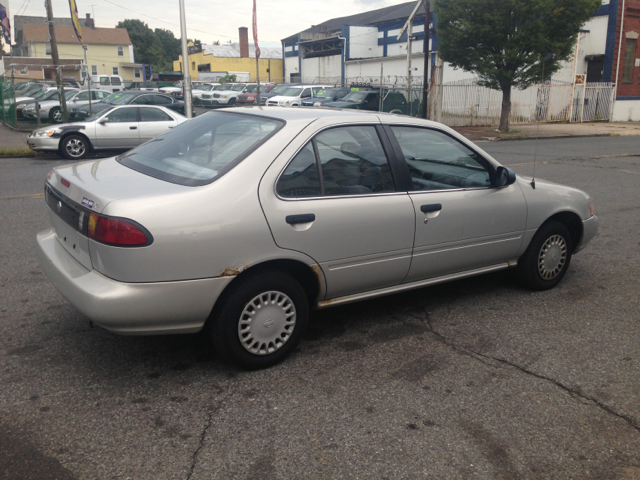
(55, 115)
(547, 259)
(260, 319)
(74, 147)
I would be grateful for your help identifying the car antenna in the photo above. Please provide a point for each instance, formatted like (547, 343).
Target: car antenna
(535, 150)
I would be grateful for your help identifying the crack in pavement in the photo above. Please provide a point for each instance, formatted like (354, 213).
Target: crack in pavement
(573, 392)
(207, 425)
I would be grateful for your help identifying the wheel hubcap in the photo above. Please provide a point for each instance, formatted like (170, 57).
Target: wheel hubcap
(57, 116)
(266, 323)
(75, 147)
(552, 257)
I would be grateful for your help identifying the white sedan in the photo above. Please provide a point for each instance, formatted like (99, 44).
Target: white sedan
(118, 128)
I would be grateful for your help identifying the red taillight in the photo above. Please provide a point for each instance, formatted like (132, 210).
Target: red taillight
(66, 183)
(116, 231)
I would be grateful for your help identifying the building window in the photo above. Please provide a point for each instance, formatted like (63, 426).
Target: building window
(94, 69)
(116, 71)
(47, 48)
(629, 60)
(193, 65)
(136, 73)
(120, 51)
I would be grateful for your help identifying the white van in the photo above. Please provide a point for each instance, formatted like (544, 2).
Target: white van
(113, 83)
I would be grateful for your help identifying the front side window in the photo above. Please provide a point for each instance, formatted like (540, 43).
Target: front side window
(148, 114)
(306, 93)
(82, 96)
(142, 100)
(437, 161)
(208, 147)
(348, 161)
(122, 115)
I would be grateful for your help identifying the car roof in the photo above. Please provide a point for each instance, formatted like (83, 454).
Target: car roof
(298, 113)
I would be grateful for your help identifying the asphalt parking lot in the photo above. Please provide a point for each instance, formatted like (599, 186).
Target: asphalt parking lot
(474, 379)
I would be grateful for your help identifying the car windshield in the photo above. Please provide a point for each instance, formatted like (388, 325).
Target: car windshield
(33, 89)
(291, 92)
(355, 97)
(120, 98)
(328, 93)
(70, 93)
(205, 88)
(251, 89)
(201, 152)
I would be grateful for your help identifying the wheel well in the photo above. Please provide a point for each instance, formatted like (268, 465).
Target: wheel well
(572, 222)
(75, 132)
(303, 274)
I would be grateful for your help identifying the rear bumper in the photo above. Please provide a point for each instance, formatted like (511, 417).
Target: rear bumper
(589, 230)
(129, 308)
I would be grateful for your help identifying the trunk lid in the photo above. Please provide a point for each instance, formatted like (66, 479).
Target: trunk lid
(74, 191)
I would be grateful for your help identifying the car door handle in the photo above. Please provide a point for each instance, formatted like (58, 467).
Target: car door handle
(132, 128)
(305, 218)
(434, 207)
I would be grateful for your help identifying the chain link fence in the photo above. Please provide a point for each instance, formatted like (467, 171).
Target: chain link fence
(8, 102)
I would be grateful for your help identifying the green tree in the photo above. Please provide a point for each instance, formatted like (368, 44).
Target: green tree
(147, 46)
(171, 49)
(509, 43)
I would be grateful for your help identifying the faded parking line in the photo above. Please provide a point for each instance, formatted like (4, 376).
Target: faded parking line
(15, 197)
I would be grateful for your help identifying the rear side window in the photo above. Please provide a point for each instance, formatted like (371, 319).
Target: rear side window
(201, 150)
(149, 114)
(348, 161)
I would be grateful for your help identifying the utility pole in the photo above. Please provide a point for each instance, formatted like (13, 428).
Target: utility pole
(427, 60)
(186, 81)
(56, 60)
(408, 27)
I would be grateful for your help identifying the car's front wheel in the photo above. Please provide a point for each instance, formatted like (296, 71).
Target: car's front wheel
(260, 319)
(547, 259)
(74, 147)
(55, 115)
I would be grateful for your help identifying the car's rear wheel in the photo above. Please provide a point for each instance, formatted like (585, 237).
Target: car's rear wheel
(547, 259)
(55, 115)
(75, 147)
(260, 319)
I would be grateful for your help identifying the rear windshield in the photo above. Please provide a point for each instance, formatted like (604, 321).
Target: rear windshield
(201, 150)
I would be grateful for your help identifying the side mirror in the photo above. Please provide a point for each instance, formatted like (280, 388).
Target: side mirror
(103, 120)
(505, 177)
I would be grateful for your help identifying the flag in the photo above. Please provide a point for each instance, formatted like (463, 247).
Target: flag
(6, 25)
(255, 30)
(74, 19)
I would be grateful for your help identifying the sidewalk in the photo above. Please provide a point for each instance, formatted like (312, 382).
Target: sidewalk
(521, 131)
(12, 140)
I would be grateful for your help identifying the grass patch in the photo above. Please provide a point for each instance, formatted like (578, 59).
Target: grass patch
(16, 151)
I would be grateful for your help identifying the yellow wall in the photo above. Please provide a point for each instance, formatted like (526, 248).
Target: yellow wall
(226, 64)
(105, 57)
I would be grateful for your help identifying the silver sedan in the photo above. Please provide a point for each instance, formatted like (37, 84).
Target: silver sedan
(241, 220)
(116, 128)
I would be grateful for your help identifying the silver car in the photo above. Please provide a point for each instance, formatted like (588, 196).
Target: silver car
(116, 128)
(51, 110)
(241, 220)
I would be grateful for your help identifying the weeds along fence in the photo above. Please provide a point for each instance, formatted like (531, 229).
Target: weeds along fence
(7, 102)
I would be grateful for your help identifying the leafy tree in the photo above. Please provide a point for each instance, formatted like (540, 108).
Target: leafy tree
(148, 47)
(228, 78)
(508, 43)
(171, 47)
